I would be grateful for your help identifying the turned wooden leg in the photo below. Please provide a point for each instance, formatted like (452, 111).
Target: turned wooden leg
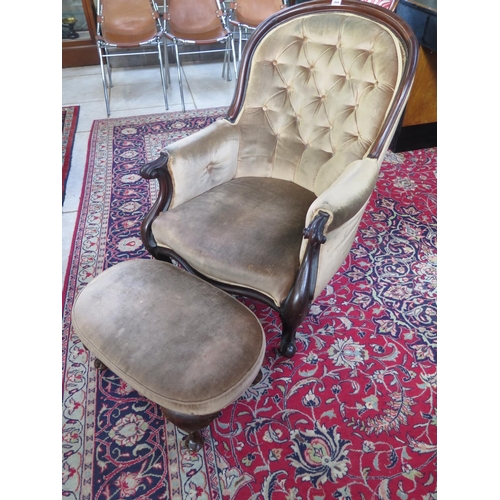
(295, 307)
(192, 424)
(258, 378)
(287, 343)
(99, 365)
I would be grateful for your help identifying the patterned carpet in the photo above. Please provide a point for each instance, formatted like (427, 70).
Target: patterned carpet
(351, 416)
(69, 123)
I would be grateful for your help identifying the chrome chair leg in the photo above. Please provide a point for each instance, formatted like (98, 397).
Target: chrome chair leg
(179, 75)
(235, 63)
(162, 74)
(167, 62)
(240, 40)
(226, 62)
(104, 82)
(108, 64)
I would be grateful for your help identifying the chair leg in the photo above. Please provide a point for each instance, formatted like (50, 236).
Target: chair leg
(290, 320)
(226, 52)
(104, 82)
(240, 40)
(162, 75)
(235, 62)
(179, 75)
(192, 424)
(166, 61)
(109, 66)
(225, 65)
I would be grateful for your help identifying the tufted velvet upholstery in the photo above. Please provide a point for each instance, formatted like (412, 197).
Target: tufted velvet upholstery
(320, 93)
(329, 82)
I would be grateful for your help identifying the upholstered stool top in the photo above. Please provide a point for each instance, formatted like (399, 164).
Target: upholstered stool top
(177, 340)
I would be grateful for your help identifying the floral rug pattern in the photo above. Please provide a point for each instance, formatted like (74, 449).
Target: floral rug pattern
(351, 416)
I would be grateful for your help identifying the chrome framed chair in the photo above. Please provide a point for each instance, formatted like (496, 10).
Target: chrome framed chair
(246, 15)
(198, 22)
(125, 25)
(266, 202)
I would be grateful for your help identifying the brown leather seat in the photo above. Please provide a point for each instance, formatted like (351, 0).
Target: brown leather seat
(128, 23)
(123, 25)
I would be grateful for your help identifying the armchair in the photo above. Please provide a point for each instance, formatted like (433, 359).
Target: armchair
(266, 202)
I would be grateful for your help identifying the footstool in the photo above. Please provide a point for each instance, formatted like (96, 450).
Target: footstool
(177, 340)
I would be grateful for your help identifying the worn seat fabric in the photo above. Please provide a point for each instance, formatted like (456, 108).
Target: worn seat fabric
(177, 340)
(264, 212)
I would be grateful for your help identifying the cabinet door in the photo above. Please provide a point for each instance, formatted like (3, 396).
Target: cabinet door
(79, 50)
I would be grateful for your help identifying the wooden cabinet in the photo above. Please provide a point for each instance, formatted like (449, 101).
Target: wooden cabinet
(418, 128)
(81, 51)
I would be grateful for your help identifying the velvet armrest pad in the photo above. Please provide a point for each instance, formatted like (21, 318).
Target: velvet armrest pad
(347, 194)
(202, 160)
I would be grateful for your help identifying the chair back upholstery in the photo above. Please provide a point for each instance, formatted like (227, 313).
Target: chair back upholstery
(252, 12)
(127, 23)
(321, 86)
(197, 20)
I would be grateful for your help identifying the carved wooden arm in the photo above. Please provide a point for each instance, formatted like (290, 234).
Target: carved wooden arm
(156, 170)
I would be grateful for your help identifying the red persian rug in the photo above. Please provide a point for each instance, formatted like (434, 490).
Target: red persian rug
(69, 123)
(351, 416)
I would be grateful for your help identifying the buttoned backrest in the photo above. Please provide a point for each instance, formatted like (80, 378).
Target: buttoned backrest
(319, 87)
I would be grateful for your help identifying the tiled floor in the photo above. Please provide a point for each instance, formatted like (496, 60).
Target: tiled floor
(136, 91)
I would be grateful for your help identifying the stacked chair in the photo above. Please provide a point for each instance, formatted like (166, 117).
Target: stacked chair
(128, 28)
(198, 23)
(246, 15)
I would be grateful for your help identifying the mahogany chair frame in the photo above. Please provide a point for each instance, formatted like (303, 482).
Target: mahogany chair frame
(295, 307)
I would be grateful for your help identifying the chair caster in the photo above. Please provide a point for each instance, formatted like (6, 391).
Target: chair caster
(287, 349)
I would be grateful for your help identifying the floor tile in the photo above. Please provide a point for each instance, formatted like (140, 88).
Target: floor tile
(137, 91)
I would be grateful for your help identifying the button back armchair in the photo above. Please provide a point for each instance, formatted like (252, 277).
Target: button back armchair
(266, 202)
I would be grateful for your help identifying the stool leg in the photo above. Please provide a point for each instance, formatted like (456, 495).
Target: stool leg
(99, 365)
(258, 378)
(192, 424)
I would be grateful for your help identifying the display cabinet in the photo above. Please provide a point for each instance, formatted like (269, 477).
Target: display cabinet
(78, 33)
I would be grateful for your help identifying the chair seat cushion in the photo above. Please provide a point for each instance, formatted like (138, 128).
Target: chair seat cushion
(246, 232)
(177, 340)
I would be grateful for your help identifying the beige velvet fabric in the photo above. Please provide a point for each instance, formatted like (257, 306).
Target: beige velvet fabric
(177, 340)
(245, 231)
(318, 92)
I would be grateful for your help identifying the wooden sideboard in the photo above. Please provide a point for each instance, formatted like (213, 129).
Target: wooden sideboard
(82, 51)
